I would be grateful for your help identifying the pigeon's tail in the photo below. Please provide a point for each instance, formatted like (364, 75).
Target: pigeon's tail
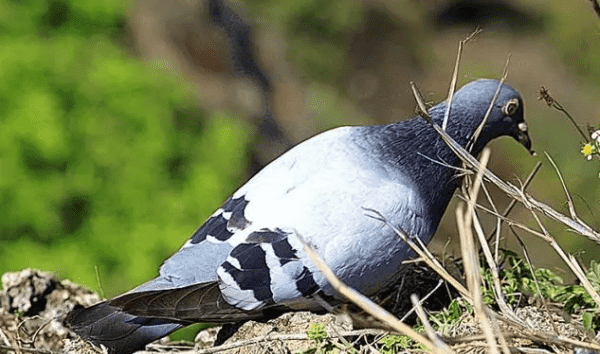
(200, 302)
(129, 322)
(118, 331)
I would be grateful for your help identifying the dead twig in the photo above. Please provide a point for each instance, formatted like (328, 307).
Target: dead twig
(272, 337)
(506, 310)
(422, 107)
(513, 202)
(7, 348)
(551, 102)
(567, 259)
(455, 75)
(596, 7)
(544, 235)
(471, 260)
(567, 194)
(535, 280)
(422, 300)
(479, 129)
(543, 338)
(428, 329)
(37, 331)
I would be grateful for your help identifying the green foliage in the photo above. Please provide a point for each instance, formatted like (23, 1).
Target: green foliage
(319, 33)
(517, 280)
(317, 332)
(572, 34)
(322, 34)
(322, 344)
(453, 315)
(392, 344)
(48, 18)
(105, 160)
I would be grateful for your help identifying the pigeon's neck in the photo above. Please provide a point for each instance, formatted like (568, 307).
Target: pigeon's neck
(413, 150)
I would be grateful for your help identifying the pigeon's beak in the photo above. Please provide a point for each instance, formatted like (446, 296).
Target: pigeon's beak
(522, 137)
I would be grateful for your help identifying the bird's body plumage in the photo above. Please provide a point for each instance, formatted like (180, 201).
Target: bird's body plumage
(247, 260)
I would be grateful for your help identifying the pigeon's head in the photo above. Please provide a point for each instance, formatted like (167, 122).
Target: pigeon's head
(505, 118)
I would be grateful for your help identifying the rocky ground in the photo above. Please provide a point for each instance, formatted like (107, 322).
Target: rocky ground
(33, 305)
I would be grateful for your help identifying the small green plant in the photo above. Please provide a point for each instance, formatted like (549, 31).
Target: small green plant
(322, 343)
(453, 315)
(392, 343)
(317, 332)
(517, 280)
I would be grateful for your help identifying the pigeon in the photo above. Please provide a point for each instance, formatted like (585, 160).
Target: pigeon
(246, 262)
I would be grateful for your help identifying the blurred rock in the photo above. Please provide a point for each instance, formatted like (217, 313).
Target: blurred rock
(33, 305)
(206, 338)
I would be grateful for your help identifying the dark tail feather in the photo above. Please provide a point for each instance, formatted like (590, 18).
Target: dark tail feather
(121, 333)
(129, 322)
(201, 302)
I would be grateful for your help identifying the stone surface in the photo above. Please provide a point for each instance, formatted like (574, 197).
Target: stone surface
(33, 305)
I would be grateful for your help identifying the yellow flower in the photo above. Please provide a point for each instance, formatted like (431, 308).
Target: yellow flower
(587, 149)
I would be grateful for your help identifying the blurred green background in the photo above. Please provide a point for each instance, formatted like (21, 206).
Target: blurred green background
(123, 126)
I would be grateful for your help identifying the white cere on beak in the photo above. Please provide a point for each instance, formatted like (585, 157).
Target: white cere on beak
(522, 126)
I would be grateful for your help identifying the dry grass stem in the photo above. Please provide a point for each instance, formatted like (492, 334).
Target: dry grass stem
(513, 202)
(428, 329)
(12, 343)
(544, 235)
(567, 194)
(422, 300)
(422, 107)
(455, 75)
(567, 259)
(506, 310)
(596, 7)
(580, 274)
(496, 231)
(535, 281)
(521, 332)
(471, 259)
(479, 129)
(533, 205)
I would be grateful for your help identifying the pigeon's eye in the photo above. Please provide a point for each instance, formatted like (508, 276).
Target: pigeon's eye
(510, 107)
